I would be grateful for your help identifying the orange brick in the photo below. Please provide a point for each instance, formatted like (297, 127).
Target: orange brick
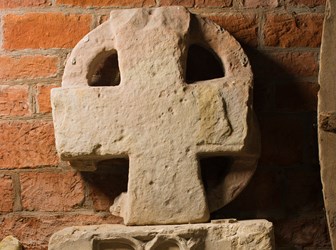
(185, 3)
(7, 4)
(34, 231)
(43, 98)
(261, 3)
(48, 191)
(292, 97)
(286, 30)
(14, 101)
(27, 144)
(6, 194)
(308, 3)
(27, 67)
(44, 30)
(243, 27)
(107, 3)
(213, 3)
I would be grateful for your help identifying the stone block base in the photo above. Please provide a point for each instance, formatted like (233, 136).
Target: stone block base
(217, 235)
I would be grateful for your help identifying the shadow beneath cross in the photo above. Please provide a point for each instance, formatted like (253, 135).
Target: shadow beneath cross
(107, 182)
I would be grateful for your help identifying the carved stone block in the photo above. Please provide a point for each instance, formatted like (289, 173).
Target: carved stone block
(247, 235)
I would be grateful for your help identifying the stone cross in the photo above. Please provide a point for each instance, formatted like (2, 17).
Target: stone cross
(153, 117)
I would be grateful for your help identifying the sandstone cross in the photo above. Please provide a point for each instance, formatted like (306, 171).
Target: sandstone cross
(154, 118)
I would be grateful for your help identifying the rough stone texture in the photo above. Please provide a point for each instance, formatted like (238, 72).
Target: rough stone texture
(33, 30)
(229, 234)
(14, 101)
(47, 191)
(326, 116)
(6, 193)
(154, 118)
(28, 144)
(27, 67)
(10, 243)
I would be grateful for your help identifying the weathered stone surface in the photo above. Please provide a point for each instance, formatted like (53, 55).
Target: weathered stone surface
(327, 114)
(10, 243)
(254, 234)
(154, 118)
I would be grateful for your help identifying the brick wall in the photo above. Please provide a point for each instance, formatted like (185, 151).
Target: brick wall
(39, 194)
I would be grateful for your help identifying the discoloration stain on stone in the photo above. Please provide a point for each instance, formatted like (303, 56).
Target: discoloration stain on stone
(214, 127)
(328, 122)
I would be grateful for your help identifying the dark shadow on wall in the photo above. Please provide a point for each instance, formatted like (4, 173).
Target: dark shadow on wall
(107, 182)
(286, 188)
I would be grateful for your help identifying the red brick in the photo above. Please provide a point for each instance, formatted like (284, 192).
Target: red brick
(186, 3)
(243, 27)
(34, 231)
(6, 194)
(282, 140)
(43, 98)
(261, 3)
(47, 191)
(44, 30)
(213, 3)
(296, 97)
(14, 101)
(27, 67)
(295, 64)
(308, 3)
(107, 3)
(27, 144)
(286, 30)
(7, 4)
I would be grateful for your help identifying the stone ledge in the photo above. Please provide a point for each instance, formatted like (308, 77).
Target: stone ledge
(220, 234)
